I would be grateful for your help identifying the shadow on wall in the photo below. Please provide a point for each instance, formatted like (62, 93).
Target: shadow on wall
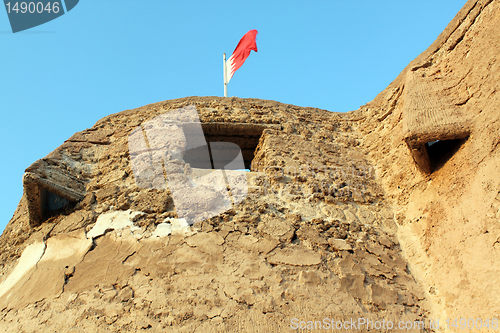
(441, 151)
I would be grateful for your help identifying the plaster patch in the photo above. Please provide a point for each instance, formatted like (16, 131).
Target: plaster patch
(180, 227)
(172, 226)
(27, 263)
(64, 250)
(162, 230)
(117, 221)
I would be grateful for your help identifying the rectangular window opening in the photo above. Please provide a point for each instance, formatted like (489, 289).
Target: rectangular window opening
(243, 137)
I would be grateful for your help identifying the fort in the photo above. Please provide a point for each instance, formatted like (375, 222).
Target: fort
(388, 212)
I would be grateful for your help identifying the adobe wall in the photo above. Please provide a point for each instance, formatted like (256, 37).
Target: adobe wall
(448, 220)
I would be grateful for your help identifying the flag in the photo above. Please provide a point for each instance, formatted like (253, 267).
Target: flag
(241, 53)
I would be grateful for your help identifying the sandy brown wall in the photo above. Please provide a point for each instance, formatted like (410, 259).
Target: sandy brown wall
(449, 220)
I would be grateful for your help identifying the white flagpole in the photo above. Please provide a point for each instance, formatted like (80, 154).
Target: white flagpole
(225, 77)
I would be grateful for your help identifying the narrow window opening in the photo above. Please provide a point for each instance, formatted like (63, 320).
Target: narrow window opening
(440, 151)
(54, 202)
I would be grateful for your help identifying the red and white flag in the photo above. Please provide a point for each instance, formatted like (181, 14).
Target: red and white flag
(241, 53)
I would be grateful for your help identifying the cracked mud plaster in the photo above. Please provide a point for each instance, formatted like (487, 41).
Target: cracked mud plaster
(338, 221)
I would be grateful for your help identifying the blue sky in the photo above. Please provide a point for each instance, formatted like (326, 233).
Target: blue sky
(107, 56)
